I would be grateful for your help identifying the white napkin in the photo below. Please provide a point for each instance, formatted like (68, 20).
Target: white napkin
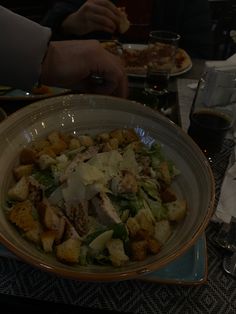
(226, 207)
(233, 35)
(220, 82)
(227, 64)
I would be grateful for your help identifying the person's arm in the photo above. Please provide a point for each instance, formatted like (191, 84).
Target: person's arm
(23, 45)
(57, 14)
(73, 63)
(91, 19)
(27, 55)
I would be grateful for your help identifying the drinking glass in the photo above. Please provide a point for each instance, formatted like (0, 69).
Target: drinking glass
(211, 122)
(162, 48)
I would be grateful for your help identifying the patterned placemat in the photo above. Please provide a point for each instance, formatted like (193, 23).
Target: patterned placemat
(218, 295)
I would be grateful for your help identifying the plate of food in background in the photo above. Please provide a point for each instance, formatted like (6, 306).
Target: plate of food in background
(136, 58)
(37, 92)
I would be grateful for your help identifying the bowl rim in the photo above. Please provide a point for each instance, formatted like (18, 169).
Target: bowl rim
(136, 271)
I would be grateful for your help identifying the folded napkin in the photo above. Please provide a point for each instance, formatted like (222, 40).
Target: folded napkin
(226, 207)
(220, 82)
(233, 35)
(227, 64)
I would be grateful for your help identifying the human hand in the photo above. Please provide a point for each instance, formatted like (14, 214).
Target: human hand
(72, 63)
(94, 15)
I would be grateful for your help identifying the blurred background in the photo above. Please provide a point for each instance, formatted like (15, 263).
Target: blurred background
(223, 19)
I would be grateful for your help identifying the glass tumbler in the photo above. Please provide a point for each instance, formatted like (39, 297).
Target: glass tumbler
(162, 48)
(211, 122)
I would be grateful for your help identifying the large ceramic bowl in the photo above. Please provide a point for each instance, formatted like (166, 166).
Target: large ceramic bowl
(93, 114)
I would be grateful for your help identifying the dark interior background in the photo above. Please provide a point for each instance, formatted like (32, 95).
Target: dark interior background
(223, 14)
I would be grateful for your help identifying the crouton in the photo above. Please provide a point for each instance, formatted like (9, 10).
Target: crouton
(21, 214)
(20, 191)
(142, 234)
(86, 140)
(28, 156)
(138, 250)
(133, 226)
(135, 146)
(45, 161)
(51, 219)
(103, 137)
(177, 210)
(168, 195)
(47, 151)
(58, 145)
(54, 137)
(47, 240)
(66, 137)
(69, 251)
(153, 246)
(22, 170)
(40, 144)
(74, 143)
(130, 135)
(162, 231)
(117, 252)
(111, 144)
(118, 134)
(165, 173)
(145, 221)
(34, 234)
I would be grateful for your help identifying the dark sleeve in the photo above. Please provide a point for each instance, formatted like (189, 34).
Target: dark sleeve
(20, 39)
(191, 19)
(57, 13)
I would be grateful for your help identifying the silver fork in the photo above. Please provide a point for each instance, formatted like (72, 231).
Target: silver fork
(227, 240)
(229, 264)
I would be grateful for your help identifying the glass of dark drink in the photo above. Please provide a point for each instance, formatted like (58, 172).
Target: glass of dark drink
(208, 129)
(209, 125)
(162, 48)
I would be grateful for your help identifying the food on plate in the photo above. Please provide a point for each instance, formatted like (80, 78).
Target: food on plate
(41, 89)
(113, 46)
(124, 21)
(182, 61)
(136, 60)
(105, 199)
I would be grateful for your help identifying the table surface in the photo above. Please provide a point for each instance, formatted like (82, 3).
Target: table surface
(23, 287)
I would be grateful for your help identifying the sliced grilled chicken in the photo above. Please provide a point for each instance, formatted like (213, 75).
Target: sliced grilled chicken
(106, 212)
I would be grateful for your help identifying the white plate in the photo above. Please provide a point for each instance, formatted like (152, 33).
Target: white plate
(141, 47)
(19, 94)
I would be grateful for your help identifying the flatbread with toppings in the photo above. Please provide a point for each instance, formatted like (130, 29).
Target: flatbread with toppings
(136, 61)
(182, 61)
